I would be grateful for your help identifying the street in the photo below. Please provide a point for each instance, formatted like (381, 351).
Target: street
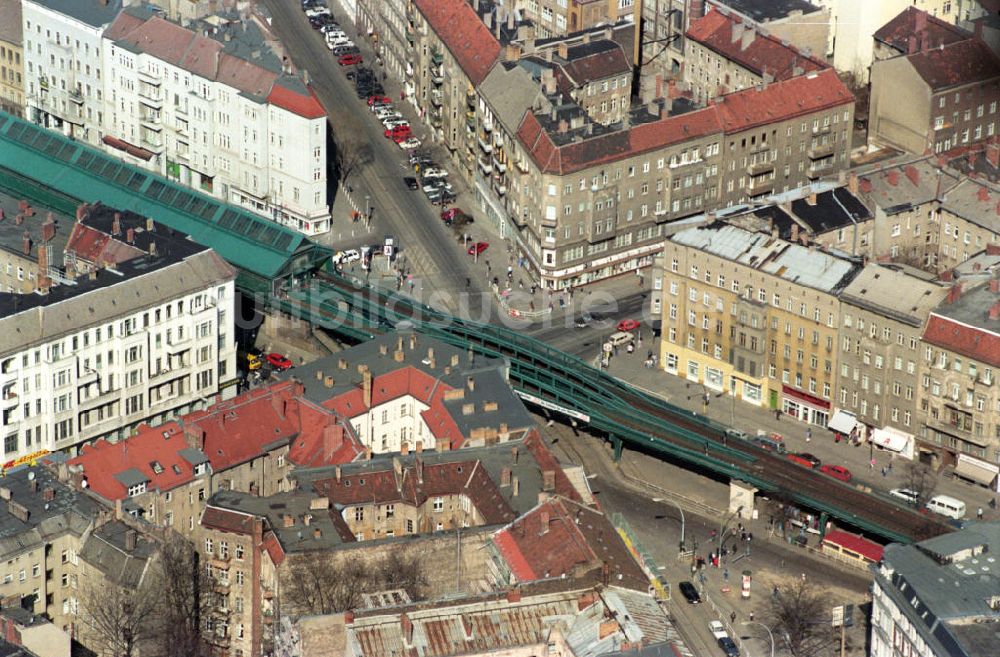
(428, 247)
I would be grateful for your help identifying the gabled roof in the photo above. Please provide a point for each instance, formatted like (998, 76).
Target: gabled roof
(562, 538)
(95, 13)
(465, 36)
(594, 60)
(956, 64)
(976, 342)
(868, 549)
(764, 53)
(735, 112)
(910, 23)
(291, 94)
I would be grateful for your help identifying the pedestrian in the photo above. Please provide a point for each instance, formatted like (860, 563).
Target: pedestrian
(883, 470)
(725, 575)
(732, 616)
(979, 513)
(468, 282)
(777, 414)
(809, 434)
(751, 616)
(871, 464)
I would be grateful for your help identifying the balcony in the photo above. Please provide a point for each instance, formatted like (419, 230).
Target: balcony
(486, 167)
(437, 77)
(820, 151)
(485, 145)
(99, 399)
(760, 167)
(150, 96)
(500, 187)
(470, 99)
(178, 344)
(470, 122)
(151, 123)
(760, 185)
(437, 98)
(76, 96)
(194, 310)
(9, 398)
(437, 58)
(819, 168)
(436, 120)
(149, 78)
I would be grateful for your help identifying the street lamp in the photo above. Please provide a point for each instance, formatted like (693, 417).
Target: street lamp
(769, 634)
(680, 511)
(724, 526)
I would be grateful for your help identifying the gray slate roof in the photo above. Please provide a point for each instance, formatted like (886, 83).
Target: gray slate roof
(889, 291)
(68, 511)
(792, 262)
(945, 590)
(105, 550)
(96, 13)
(510, 90)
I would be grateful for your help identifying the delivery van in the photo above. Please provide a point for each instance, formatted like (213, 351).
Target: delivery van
(946, 505)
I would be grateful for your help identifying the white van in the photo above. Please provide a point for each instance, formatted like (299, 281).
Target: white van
(620, 338)
(947, 506)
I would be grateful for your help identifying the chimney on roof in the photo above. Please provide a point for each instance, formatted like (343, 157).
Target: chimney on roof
(49, 494)
(563, 126)
(515, 486)
(18, 219)
(152, 248)
(19, 511)
(150, 226)
(317, 533)
(471, 383)
(81, 211)
(737, 30)
(383, 349)
(116, 225)
(911, 44)
(510, 21)
(947, 276)
(893, 177)
(995, 285)
(33, 485)
(563, 50)
(338, 473)
(852, 183)
(48, 228)
(811, 199)
(548, 54)
(955, 292)
(749, 35)
(795, 232)
(549, 84)
(130, 236)
(288, 520)
(419, 467)
(995, 311)
(505, 476)
(342, 364)
(983, 194)
(548, 480)
(131, 537)
(405, 624)
(366, 388)
(26, 243)
(543, 522)
(413, 341)
(514, 453)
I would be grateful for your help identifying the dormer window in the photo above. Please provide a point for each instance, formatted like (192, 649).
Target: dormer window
(157, 468)
(200, 469)
(137, 489)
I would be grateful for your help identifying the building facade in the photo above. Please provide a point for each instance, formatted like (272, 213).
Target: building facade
(64, 74)
(754, 316)
(217, 113)
(124, 355)
(11, 54)
(883, 314)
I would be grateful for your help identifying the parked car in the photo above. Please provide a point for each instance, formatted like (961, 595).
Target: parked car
(434, 172)
(383, 100)
(409, 143)
(585, 320)
(736, 434)
(804, 459)
(478, 248)
(446, 197)
(349, 60)
(628, 325)
(438, 185)
(347, 49)
(395, 122)
(411, 182)
(906, 494)
(689, 592)
(346, 257)
(254, 362)
(837, 472)
(279, 362)
(313, 12)
(384, 111)
(400, 131)
(330, 26)
(725, 642)
(450, 214)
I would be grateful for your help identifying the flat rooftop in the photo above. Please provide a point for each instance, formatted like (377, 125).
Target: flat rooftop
(763, 11)
(12, 233)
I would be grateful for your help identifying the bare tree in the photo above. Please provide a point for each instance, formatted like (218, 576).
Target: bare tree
(922, 480)
(402, 572)
(323, 588)
(186, 597)
(116, 619)
(799, 616)
(350, 154)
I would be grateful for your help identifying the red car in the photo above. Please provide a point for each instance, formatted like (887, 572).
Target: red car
(279, 362)
(628, 325)
(349, 60)
(450, 214)
(805, 460)
(378, 99)
(478, 248)
(837, 472)
(399, 132)
(398, 138)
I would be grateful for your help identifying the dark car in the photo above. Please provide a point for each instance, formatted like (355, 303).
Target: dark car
(728, 646)
(689, 592)
(411, 182)
(804, 459)
(812, 459)
(345, 50)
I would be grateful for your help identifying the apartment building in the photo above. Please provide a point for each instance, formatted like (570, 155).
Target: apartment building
(915, 609)
(883, 314)
(218, 111)
(44, 523)
(724, 53)
(36, 634)
(914, 29)
(958, 398)
(403, 392)
(64, 72)
(145, 336)
(661, 42)
(969, 218)
(554, 18)
(754, 316)
(935, 97)
(31, 245)
(807, 25)
(11, 54)
(590, 202)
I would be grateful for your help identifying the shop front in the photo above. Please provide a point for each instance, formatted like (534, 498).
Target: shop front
(894, 440)
(804, 407)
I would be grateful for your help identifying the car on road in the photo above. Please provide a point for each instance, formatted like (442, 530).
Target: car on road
(804, 459)
(736, 434)
(690, 593)
(330, 26)
(434, 172)
(437, 186)
(400, 131)
(585, 320)
(346, 257)
(349, 60)
(279, 362)
(395, 122)
(837, 472)
(908, 495)
(409, 143)
(628, 325)
(455, 217)
(254, 362)
(372, 100)
(442, 197)
(450, 213)
(722, 637)
(411, 183)
(478, 248)
(346, 49)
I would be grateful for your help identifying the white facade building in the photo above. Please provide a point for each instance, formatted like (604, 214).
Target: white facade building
(217, 113)
(63, 77)
(138, 342)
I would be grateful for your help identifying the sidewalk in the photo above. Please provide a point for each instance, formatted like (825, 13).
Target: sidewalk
(729, 411)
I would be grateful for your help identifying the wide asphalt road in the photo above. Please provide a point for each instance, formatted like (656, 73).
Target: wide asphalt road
(428, 246)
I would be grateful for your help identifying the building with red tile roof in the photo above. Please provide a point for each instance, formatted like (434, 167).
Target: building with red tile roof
(563, 538)
(937, 95)
(251, 93)
(912, 30)
(724, 53)
(962, 342)
(463, 34)
(853, 547)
